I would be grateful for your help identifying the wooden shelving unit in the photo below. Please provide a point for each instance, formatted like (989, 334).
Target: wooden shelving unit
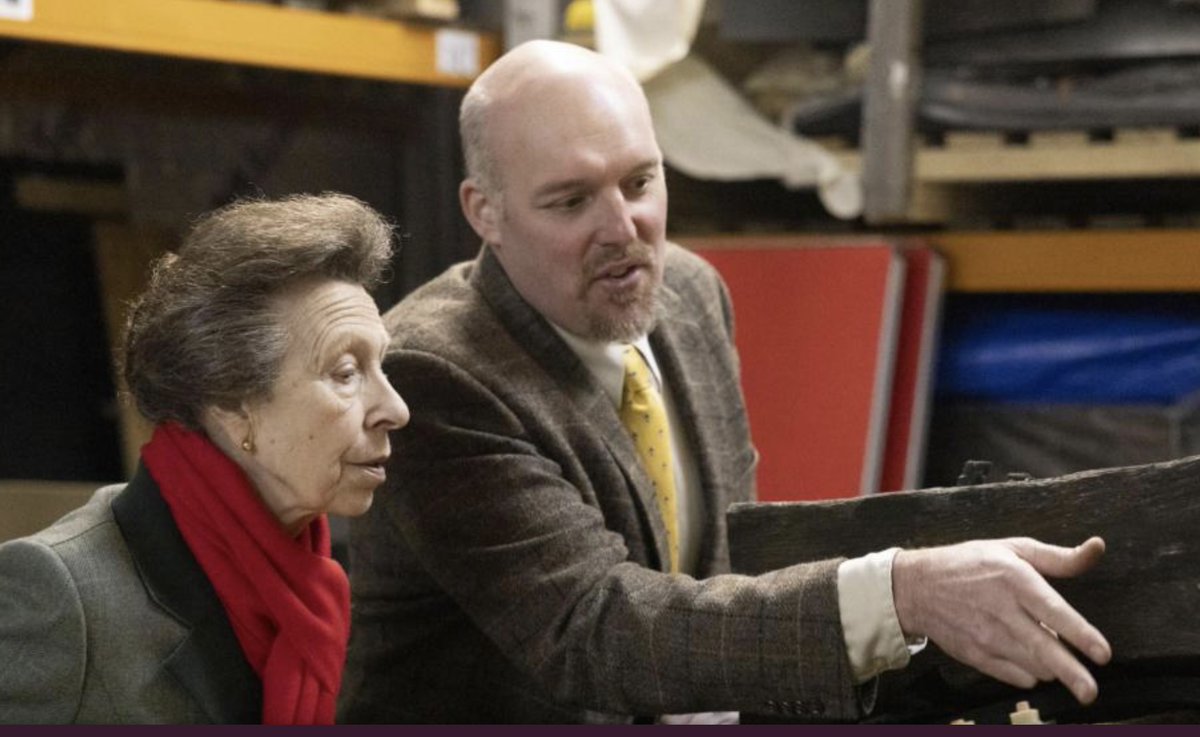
(200, 99)
(263, 35)
(959, 174)
(908, 181)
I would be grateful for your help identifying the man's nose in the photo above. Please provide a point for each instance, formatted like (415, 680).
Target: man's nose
(615, 224)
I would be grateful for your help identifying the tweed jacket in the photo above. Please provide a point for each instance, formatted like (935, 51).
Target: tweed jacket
(106, 617)
(512, 568)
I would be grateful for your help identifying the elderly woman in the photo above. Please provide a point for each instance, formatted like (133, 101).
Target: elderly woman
(203, 590)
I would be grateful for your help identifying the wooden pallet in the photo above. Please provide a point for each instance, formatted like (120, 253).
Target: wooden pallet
(952, 174)
(961, 157)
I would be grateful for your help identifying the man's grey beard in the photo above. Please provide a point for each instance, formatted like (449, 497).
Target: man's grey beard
(635, 323)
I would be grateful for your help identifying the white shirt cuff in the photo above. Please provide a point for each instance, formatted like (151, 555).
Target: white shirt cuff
(874, 640)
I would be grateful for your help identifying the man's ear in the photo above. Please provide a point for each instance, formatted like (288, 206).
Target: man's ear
(481, 210)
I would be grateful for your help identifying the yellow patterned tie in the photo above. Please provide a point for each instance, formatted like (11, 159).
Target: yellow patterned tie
(645, 418)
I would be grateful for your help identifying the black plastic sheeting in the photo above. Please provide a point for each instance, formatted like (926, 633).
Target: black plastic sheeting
(1047, 440)
(1161, 94)
(840, 21)
(1129, 63)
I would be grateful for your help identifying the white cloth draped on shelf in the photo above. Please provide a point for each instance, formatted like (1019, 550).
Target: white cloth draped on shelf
(704, 126)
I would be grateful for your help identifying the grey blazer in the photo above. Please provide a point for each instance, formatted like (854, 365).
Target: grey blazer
(511, 570)
(106, 617)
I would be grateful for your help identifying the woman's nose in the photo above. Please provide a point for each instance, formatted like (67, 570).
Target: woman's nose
(390, 412)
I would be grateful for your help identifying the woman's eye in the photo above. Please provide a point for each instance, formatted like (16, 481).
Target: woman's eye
(345, 374)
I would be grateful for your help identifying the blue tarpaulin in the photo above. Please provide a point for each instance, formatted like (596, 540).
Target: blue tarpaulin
(1106, 349)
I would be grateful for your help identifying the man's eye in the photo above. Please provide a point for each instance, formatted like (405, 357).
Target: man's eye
(640, 184)
(572, 203)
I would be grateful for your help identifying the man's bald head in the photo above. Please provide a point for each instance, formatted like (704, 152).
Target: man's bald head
(565, 186)
(530, 80)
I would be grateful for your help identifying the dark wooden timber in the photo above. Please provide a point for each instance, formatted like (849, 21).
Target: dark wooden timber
(1144, 595)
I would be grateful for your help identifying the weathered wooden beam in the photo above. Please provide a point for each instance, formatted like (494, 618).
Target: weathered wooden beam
(1148, 515)
(1143, 595)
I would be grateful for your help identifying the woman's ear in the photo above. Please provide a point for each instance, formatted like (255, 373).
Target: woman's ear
(481, 211)
(230, 429)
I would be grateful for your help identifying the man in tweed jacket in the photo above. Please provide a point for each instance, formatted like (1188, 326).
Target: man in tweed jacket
(515, 570)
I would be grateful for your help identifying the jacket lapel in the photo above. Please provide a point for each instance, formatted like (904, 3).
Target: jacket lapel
(209, 662)
(543, 344)
(681, 349)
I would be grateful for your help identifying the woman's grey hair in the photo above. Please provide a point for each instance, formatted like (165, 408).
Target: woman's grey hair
(206, 331)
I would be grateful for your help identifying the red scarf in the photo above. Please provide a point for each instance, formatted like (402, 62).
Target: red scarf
(288, 601)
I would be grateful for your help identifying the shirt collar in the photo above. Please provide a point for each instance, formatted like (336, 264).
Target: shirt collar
(606, 360)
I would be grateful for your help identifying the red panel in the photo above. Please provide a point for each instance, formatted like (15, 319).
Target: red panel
(816, 329)
(908, 417)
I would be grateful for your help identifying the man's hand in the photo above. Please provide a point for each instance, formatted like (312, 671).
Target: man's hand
(986, 604)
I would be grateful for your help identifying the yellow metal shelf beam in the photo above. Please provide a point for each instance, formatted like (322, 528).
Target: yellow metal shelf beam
(1142, 260)
(1149, 260)
(263, 35)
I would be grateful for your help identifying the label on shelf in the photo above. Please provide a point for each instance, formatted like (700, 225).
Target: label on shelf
(16, 10)
(457, 52)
